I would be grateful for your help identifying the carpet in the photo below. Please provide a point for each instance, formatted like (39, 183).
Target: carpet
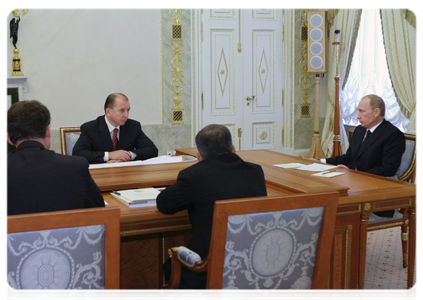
(384, 268)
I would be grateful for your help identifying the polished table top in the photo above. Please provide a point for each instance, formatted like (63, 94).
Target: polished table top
(352, 185)
(360, 193)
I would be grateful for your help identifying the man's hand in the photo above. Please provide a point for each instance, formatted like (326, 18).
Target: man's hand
(110, 161)
(311, 158)
(120, 155)
(342, 166)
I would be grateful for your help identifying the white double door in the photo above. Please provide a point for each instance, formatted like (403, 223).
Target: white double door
(242, 78)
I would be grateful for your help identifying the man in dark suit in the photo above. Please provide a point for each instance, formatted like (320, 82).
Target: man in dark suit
(376, 146)
(39, 180)
(10, 147)
(113, 137)
(219, 174)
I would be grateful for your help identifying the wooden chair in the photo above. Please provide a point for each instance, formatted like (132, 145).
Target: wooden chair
(273, 242)
(68, 138)
(72, 249)
(406, 172)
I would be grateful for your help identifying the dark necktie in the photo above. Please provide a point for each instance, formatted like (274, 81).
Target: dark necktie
(114, 139)
(368, 133)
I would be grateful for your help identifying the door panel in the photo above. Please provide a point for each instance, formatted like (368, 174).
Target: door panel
(242, 69)
(222, 72)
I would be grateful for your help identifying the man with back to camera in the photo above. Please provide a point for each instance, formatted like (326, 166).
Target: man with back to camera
(113, 137)
(39, 180)
(376, 146)
(219, 174)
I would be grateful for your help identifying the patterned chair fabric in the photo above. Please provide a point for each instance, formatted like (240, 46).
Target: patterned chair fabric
(272, 250)
(67, 258)
(407, 157)
(71, 138)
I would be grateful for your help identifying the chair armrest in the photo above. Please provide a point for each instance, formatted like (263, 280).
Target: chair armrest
(187, 257)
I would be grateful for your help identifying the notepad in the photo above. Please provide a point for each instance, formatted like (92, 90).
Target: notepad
(137, 197)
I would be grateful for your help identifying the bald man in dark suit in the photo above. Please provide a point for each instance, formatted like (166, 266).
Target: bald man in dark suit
(114, 137)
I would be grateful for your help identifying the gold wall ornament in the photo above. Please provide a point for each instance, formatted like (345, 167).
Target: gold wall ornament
(305, 81)
(14, 26)
(177, 83)
(263, 135)
(17, 14)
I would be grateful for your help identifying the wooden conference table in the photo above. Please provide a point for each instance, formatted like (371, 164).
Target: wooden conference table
(147, 234)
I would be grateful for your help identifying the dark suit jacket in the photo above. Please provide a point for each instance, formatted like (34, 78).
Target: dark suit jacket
(380, 155)
(10, 147)
(95, 140)
(224, 176)
(39, 180)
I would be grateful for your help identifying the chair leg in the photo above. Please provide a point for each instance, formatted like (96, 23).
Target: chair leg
(411, 247)
(362, 256)
(404, 241)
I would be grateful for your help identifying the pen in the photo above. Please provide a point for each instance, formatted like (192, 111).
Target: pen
(326, 172)
(117, 193)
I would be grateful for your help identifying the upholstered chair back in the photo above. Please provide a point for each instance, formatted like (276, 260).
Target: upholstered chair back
(65, 258)
(272, 250)
(68, 138)
(71, 249)
(408, 159)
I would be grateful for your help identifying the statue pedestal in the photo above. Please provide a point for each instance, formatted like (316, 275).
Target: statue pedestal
(17, 64)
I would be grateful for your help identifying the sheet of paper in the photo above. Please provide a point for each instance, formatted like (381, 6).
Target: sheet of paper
(316, 167)
(155, 160)
(327, 174)
(290, 166)
(163, 160)
(116, 165)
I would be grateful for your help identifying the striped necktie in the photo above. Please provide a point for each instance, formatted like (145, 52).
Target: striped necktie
(115, 139)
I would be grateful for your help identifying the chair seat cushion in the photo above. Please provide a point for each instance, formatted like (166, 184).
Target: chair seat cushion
(186, 295)
(373, 219)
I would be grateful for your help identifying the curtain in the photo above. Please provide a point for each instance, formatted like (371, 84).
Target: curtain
(400, 45)
(346, 20)
(369, 74)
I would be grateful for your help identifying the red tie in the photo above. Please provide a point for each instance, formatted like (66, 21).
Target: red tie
(114, 139)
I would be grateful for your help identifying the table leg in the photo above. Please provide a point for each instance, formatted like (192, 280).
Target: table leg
(363, 248)
(411, 247)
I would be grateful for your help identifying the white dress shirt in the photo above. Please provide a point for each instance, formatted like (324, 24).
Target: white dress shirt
(111, 129)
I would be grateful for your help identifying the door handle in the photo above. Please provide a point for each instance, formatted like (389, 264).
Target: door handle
(250, 99)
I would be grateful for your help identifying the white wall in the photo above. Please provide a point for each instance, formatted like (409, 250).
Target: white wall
(75, 58)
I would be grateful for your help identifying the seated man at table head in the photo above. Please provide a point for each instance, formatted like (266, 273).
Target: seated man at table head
(219, 174)
(38, 179)
(376, 146)
(113, 137)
